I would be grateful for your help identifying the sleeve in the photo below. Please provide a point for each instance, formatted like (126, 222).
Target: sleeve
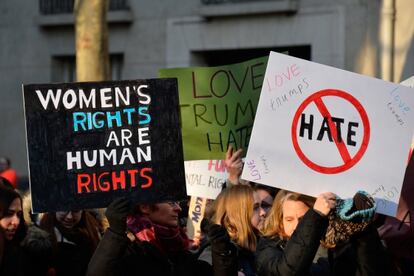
(297, 257)
(371, 254)
(107, 256)
(364, 255)
(225, 263)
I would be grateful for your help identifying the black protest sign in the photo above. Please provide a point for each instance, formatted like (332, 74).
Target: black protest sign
(89, 143)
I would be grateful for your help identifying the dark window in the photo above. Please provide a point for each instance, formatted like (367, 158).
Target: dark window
(64, 68)
(223, 57)
(66, 6)
(214, 2)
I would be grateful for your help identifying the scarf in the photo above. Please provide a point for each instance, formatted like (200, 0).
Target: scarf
(168, 240)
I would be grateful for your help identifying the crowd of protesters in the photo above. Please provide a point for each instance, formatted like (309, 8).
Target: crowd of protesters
(250, 229)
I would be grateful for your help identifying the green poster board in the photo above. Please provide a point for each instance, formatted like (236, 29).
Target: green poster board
(218, 106)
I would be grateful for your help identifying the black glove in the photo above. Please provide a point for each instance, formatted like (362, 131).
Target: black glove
(117, 213)
(219, 239)
(205, 225)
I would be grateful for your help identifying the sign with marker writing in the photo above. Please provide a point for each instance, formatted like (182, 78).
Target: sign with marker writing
(91, 142)
(398, 232)
(218, 105)
(195, 216)
(320, 129)
(205, 178)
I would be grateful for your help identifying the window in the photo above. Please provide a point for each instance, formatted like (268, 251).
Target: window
(223, 57)
(64, 68)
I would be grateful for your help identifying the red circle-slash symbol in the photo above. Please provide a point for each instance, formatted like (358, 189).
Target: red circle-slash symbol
(349, 161)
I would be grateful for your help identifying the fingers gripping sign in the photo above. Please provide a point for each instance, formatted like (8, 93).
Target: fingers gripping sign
(324, 203)
(234, 164)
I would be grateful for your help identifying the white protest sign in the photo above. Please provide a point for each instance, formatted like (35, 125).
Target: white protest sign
(409, 83)
(195, 216)
(319, 128)
(205, 178)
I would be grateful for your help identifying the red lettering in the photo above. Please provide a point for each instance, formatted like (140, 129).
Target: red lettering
(210, 165)
(83, 182)
(103, 185)
(295, 70)
(106, 181)
(149, 178)
(132, 174)
(118, 180)
(220, 166)
(94, 181)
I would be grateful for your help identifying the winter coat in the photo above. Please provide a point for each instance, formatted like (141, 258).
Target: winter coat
(118, 255)
(237, 259)
(70, 259)
(30, 257)
(274, 257)
(363, 255)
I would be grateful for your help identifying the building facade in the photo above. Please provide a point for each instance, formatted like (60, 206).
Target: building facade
(37, 43)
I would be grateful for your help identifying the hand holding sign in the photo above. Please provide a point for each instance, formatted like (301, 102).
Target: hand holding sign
(117, 213)
(324, 203)
(234, 164)
(341, 132)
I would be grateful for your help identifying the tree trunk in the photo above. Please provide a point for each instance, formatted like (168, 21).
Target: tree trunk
(92, 60)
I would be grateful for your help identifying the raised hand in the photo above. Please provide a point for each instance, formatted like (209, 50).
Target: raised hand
(324, 203)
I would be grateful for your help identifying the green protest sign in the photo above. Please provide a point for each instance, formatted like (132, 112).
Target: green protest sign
(218, 106)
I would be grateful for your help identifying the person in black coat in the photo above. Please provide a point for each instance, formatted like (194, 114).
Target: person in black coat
(292, 236)
(23, 250)
(146, 241)
(74, 235)
(238, 212)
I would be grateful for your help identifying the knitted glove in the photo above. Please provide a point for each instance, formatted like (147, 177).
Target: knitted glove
(350, 216)
(361, 208)
(117, 213)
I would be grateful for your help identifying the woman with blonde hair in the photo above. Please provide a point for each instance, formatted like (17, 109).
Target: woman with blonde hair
(273, 226)
(296, 225)
(236, 216)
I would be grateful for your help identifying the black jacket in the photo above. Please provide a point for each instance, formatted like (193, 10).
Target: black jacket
(363, 255)
(275, 257)
(117, 255)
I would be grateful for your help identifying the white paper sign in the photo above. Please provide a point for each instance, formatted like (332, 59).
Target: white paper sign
(319, 128)
(408, 82)
(195, 216)
(205, 178)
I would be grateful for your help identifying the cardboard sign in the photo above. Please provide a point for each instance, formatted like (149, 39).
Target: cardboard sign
(319, 129)
(89, 143)
(218, 105)
(205, 178)
(195, 216)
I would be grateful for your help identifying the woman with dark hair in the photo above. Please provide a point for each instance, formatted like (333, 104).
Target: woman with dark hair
(13, 230)
(75, 236)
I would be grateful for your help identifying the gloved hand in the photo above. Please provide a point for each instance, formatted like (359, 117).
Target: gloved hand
(219, 239)
(361, 202)
(117, 213)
